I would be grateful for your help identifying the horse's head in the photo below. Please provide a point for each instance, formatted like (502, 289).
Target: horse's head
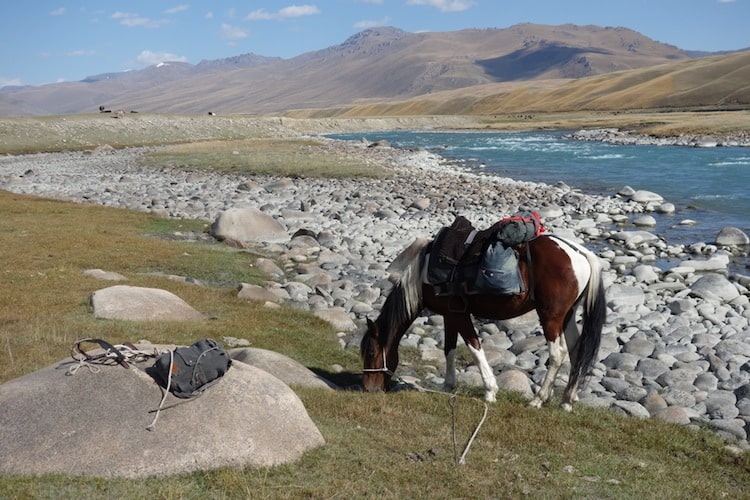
(379, 359)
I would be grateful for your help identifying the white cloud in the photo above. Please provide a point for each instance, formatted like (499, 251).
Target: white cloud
(134, 20)
(177, 9)
(82, 52)
(230, 32)
(298, 11)
(371, 24)
(8, 82)
(57, 12)
(444, 5)
(209, 15)
(285, 13)
(147, 57)
(259, 15)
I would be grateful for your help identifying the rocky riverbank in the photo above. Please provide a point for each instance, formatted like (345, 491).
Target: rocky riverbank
(676, 345)
(628, 137)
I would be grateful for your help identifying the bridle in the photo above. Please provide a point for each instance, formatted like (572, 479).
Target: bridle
(385, 368)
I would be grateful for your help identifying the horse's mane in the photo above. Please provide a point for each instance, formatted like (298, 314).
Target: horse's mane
(404, 303)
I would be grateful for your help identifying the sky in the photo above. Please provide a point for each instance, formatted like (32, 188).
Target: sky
(67, 40)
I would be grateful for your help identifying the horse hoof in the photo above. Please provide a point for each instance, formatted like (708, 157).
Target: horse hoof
(567, 407)
(535, 403)
(490, 397)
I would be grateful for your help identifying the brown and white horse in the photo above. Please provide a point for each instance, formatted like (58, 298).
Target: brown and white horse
(559, 275)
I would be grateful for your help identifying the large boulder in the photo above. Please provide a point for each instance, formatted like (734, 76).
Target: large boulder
(731, 236)
(714, 287)
(240, 226)
(95, 424)
(141, 304)
(282, 367)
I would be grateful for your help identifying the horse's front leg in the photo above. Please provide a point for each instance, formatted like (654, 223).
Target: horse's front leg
(469, 334)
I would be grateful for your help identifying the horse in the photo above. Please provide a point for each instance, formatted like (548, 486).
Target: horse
(559, 275)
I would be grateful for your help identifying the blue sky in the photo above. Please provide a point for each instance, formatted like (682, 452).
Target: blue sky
(67, 40)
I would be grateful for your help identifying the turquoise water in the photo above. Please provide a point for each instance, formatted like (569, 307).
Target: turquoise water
(708, 185)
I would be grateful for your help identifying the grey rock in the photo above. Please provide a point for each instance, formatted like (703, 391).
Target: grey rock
(141, 304)
(338, 318)
(112, 406)
(714, 287)
(104, 275)
(245, 225)
(282, 367)
(255, 292)
(732, 236)
(673, 414)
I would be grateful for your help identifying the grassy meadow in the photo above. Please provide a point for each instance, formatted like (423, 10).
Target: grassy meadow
(396, 445)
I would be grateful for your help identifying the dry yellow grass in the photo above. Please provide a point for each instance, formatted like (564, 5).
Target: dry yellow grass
(718, 82)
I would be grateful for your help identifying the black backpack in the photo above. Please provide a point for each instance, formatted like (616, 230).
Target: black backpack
(188, 371)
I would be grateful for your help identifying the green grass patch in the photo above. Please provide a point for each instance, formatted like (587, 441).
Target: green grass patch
(48, 244)
(282, 157)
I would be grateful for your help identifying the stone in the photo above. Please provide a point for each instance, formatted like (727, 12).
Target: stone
(141, 304)
(645, 220)
(249, 418)
(619, 296)
(714, 287)
(241, 226)
(104, 275)
(282, 367)
(515, 380)
(338, 318)
(732, 236)
(673, 414)
(643, 196)
(255, 292)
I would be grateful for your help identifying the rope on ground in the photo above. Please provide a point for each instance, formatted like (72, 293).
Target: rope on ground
(474, 435)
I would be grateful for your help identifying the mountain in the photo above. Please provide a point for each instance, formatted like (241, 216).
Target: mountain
(709, 83)
(375, 65)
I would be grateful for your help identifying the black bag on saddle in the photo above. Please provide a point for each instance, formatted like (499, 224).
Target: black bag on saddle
(188, 371)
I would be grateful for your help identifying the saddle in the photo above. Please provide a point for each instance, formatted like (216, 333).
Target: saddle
(464, 260)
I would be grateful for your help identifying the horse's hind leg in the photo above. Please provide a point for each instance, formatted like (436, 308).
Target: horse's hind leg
(572, 334)
(449, 348)
(466, 329)
(558, 350)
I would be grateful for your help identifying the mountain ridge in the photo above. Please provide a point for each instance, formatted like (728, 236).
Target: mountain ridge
(377, 64)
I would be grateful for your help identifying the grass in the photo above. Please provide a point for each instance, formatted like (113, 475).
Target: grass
(395, 445)
(285, 157)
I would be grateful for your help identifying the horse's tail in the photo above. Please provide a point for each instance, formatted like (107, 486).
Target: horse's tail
(594, 316)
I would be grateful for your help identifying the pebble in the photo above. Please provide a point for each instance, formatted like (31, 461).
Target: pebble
(675, 345)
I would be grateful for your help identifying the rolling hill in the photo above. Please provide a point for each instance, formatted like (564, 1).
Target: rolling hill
(718, 82)
(520, 68)
(376, 65)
